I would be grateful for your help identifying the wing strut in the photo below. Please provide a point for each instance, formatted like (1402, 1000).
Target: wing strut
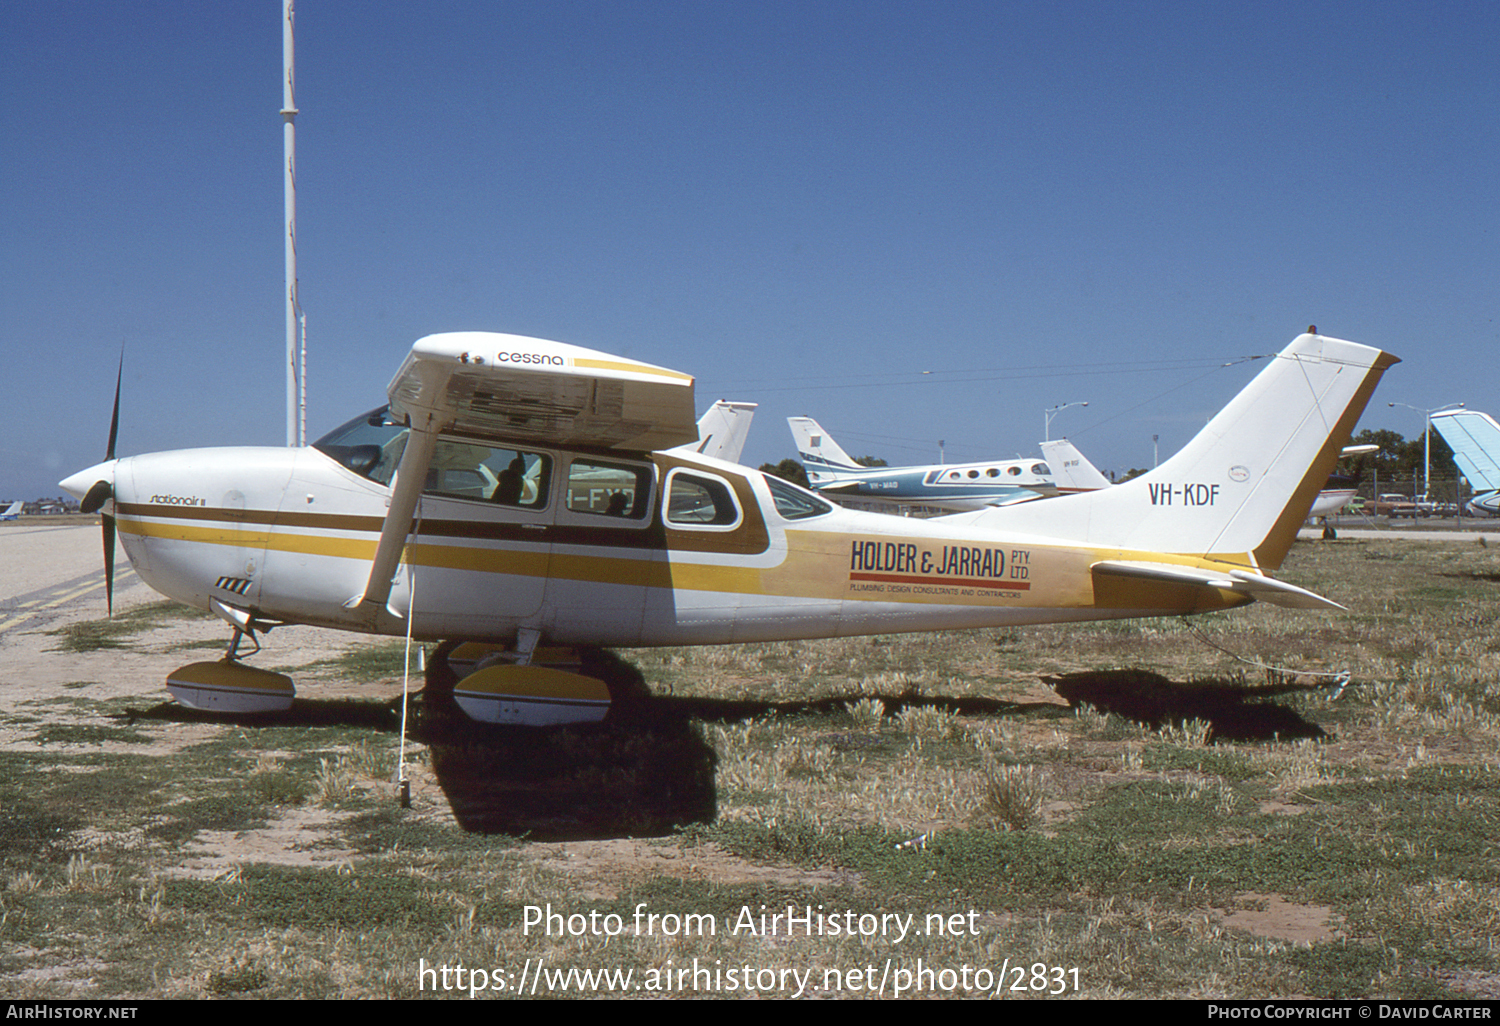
(411, 474)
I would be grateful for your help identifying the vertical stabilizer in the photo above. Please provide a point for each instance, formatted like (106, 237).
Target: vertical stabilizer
(1241, 488)
(722, 431)
(819, 453)
(1475, 440)
(1071, 470)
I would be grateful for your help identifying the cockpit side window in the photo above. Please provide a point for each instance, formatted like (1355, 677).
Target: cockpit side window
(370, 445)
(700, 501)
(462, 469)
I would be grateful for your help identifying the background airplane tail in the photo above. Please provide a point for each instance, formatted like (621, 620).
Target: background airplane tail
(1475, 440)
(816, 450)
(1241, 488)
(722, 431)
(1071, 470)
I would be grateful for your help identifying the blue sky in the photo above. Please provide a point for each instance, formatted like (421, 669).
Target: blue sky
(806, 205)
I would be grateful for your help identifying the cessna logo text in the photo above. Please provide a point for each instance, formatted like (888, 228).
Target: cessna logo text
(547, 358)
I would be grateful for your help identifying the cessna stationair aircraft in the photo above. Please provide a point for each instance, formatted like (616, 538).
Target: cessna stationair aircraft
(535, 495)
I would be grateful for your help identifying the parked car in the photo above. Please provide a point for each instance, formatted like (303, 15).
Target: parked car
(1395, 506)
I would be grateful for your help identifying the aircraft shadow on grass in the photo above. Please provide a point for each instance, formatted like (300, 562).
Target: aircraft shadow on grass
(646, 770)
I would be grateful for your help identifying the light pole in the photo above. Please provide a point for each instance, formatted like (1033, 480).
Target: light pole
(1427, 442)
(1049, 414)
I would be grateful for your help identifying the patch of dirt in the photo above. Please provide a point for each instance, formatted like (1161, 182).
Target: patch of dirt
(604, 868)
(1477, 984)
(1271, 915)
(298, 837)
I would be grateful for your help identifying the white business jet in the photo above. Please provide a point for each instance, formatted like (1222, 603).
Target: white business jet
(948, 486)
(537, 495)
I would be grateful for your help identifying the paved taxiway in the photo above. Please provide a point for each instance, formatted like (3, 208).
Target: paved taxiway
(50, 565)
(1465, 534)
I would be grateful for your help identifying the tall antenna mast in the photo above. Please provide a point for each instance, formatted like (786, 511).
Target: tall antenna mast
(296, 397)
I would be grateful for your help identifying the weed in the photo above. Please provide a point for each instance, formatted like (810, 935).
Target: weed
(1012, 797)
(928, 721)
(867, 713)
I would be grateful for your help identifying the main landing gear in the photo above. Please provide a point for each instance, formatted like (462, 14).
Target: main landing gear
(524, 684)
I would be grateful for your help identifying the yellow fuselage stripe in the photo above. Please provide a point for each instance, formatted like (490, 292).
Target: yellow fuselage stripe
(1063, 578)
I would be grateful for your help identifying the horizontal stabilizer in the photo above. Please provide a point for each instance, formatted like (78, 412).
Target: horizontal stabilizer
(1243, 582)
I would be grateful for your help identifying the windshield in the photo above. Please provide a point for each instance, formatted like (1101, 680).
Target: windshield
(370, 445)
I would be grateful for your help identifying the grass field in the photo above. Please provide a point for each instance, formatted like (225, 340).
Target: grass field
(1262, 836)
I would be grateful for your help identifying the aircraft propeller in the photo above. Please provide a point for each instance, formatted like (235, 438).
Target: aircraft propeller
(101, 492)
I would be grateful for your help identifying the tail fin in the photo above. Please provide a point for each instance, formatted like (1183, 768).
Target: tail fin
(1071, 470)
(1475, 440)
(1240, 489)
(722, 430)
(816, 450)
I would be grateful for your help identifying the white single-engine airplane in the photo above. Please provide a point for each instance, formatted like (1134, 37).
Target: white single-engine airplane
(13, 510)
(519, 492)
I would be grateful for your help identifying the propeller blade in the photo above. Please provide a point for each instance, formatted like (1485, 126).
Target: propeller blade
(114, 420)
(109, 563)
(101, 492)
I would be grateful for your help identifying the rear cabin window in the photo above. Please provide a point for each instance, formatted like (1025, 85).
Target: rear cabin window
(697, 500)
(609, 489)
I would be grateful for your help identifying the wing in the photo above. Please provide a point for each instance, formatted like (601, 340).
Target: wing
(525, 390)
(544, 393)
